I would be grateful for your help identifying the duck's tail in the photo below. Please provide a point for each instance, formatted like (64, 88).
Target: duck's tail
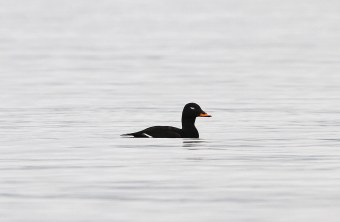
(127, 134)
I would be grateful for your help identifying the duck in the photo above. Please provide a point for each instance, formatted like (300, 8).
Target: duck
(189, 114)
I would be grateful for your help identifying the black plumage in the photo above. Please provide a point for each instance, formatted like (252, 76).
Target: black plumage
(189, 114)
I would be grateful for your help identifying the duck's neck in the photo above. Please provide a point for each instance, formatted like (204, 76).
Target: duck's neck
(188, 127)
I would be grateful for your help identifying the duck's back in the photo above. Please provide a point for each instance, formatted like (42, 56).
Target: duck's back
(158, 132)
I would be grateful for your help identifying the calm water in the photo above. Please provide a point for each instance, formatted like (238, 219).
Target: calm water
(77, 74)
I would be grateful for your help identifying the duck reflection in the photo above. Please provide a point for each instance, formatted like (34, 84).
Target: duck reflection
(193, 143)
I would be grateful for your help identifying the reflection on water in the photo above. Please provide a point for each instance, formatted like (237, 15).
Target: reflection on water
(194, 143)
(77, 74)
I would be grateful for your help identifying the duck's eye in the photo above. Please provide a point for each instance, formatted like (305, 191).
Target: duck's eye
(192, 107)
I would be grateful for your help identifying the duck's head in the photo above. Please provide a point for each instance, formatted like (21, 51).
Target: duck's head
(193, 110)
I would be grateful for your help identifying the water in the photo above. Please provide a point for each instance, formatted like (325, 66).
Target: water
(77, 74)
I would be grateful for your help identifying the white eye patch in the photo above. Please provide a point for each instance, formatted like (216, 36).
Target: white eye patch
(192, 107)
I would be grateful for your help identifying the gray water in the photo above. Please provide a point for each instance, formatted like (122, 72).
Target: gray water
(77, 74)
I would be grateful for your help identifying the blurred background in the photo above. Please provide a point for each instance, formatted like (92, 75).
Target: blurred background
(74, 75)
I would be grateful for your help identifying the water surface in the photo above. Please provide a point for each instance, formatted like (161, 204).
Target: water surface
(75, 75)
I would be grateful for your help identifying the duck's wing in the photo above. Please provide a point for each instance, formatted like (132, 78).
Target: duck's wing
(157, 132)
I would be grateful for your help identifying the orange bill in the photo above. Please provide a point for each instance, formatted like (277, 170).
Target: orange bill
(204, 115)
